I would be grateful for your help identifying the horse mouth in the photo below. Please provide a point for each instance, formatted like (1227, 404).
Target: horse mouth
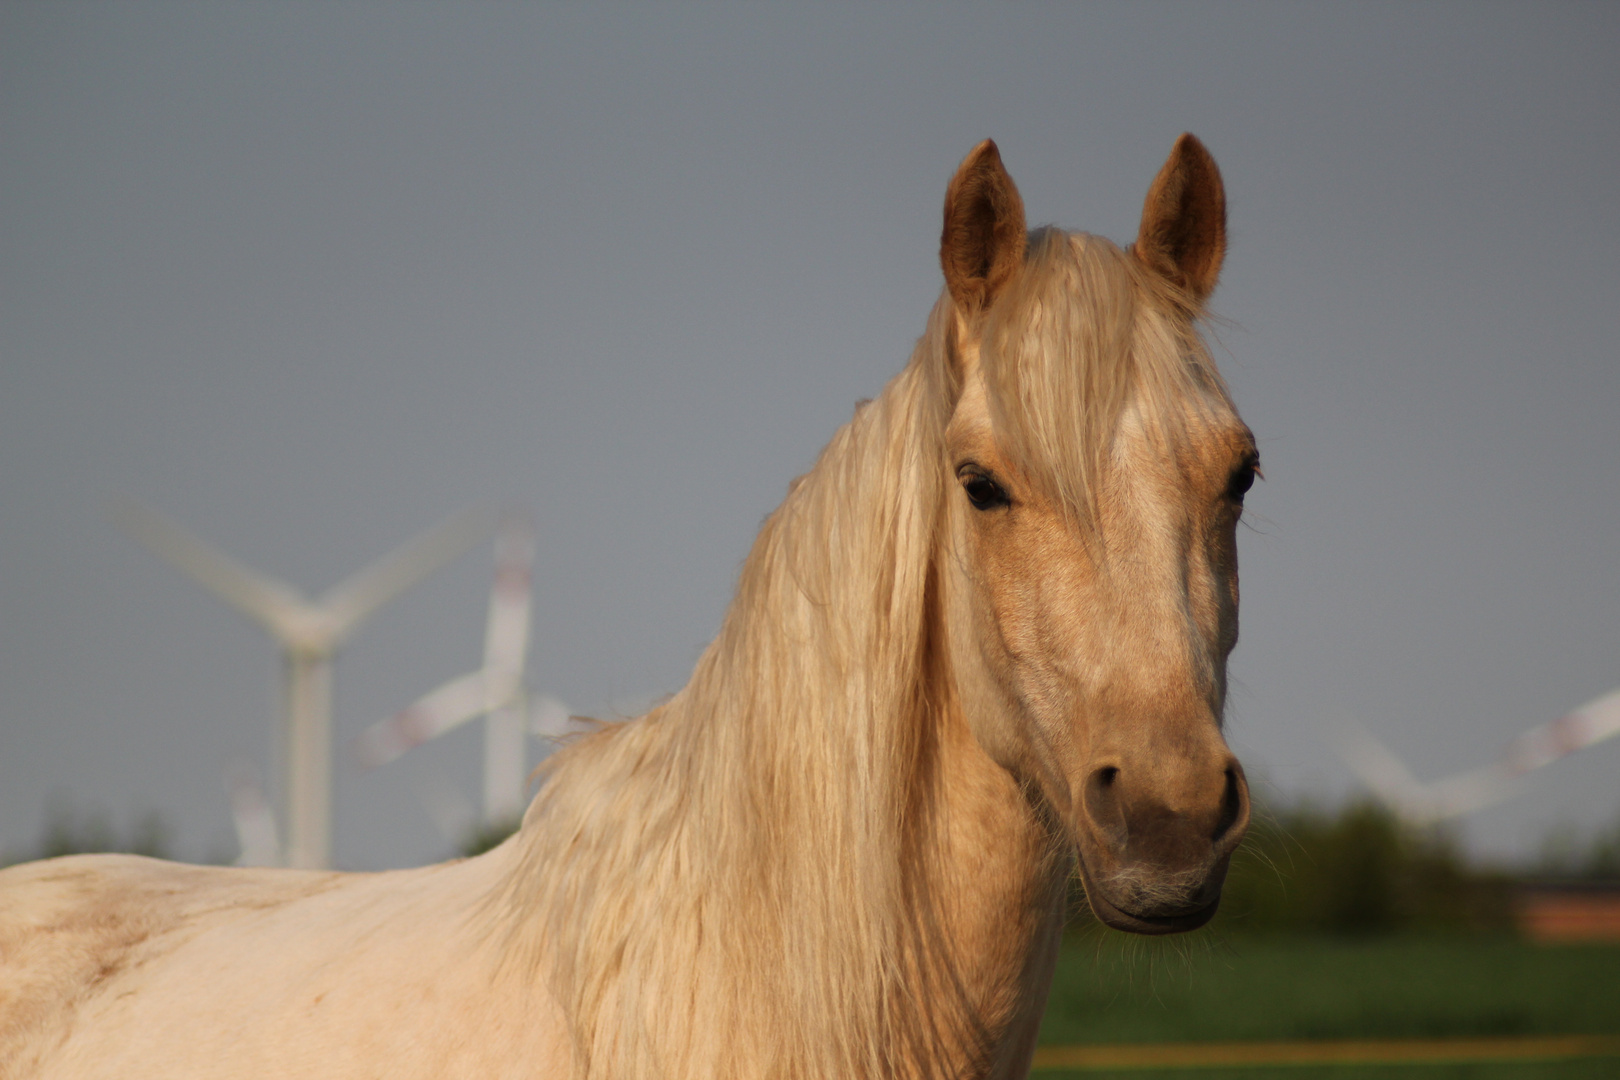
(1117, 918)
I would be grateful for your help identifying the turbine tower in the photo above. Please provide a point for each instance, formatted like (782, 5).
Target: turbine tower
(495, 691)
(1463, 793)
(310, 633)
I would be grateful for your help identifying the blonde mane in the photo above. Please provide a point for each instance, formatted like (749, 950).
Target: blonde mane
(737, 883)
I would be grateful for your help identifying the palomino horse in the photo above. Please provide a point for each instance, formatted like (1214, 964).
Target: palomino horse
(984, 638)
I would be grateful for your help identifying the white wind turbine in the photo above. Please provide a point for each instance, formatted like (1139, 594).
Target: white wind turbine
(495, 691)
(1463, 793)
(310, 633)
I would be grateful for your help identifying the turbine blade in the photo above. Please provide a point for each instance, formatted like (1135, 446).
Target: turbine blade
(1384, 774)
(506, 636)
(277, 607)
(1463, 793)
(351, 600)
(1600, 719)
(448, 707)
(255, 822)
(1593, 722)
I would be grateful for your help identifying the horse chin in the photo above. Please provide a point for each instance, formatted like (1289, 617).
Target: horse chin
(1117, 918)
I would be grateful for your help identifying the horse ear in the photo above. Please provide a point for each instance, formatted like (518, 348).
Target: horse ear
(983, 241)
(1183, 234)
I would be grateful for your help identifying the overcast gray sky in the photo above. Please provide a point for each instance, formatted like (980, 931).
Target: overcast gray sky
(310, 277)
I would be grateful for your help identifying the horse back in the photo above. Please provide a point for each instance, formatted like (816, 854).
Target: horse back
(69, 927)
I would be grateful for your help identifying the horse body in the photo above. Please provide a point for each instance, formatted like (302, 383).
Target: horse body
(982, 640)
(131, 967)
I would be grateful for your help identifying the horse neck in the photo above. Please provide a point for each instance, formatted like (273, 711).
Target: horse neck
(797, 841)
(995, 874)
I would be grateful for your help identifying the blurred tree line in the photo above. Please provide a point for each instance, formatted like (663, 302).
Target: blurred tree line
(1358, 870)
(1565, 854)
(72, 830)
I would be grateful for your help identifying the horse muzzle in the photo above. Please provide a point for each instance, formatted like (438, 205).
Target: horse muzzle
(1153, 857)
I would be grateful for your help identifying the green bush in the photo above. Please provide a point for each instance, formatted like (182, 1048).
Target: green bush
(1358, 870)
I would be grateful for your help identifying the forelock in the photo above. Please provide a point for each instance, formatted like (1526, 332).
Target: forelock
(1080, 332)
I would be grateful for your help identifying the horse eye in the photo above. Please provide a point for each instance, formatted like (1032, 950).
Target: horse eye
(1242, 480)
(983, 492)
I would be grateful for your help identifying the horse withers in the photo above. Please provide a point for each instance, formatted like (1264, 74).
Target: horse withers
(981, 643)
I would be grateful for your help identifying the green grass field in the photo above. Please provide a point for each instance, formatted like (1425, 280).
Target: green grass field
(1595, 1069)
(1113, 989)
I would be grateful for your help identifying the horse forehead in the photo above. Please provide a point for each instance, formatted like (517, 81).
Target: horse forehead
(1207, 435)
(970, 425)
(1204, 432)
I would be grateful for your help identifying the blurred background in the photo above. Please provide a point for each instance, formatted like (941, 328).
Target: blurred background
(308, 278)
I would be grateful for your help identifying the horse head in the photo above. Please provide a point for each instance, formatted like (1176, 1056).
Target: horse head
(1095, 473)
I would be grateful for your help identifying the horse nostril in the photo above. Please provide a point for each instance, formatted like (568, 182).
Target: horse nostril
(1231, 805)
(1102, 806)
